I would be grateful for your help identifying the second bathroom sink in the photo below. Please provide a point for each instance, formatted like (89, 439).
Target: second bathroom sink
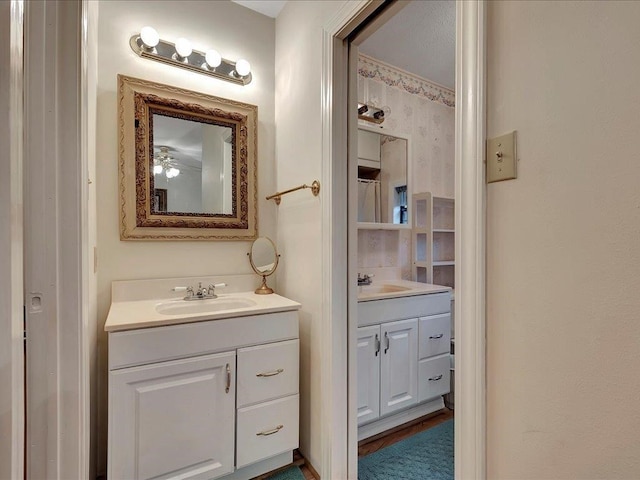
(386, 288)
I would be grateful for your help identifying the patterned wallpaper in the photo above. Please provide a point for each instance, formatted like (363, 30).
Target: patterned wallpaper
(421, 109)
(425, 111)
(385, 253)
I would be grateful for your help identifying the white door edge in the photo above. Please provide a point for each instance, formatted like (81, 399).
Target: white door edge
(56, 258)
(11, 242)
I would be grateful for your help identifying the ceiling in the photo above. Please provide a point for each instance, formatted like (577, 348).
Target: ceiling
(270, 8)
(420, 39)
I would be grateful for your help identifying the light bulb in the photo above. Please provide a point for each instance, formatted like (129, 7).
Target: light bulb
(157, 169)
(183, 47)
(243, 67)
(149, 37)
(213, 58)
(173, 172)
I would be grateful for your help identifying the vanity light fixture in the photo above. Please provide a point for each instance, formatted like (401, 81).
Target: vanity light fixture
(372, 114)
(148, 44)
(183, 50)
(149, 37)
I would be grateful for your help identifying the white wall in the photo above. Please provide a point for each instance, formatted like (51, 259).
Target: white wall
(236, 32)
(563, 282)
(298, 149)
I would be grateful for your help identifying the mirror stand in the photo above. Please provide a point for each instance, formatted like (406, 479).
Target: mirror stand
(264, 289)
(264, 259)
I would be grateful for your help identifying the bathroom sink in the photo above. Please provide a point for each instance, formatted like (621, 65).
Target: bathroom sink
(183, 307)
(378, 289)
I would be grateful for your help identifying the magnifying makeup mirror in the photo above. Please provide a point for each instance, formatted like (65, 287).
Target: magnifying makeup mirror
(263, 258)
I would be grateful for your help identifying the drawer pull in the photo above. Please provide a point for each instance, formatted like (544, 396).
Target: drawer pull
(270, 374)
(435, 337)
(436, 378)
(270, 432)
(228, 379)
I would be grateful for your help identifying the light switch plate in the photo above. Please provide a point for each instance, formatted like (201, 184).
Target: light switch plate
(501, 158)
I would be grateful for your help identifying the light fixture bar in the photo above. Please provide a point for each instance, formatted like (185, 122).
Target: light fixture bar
(370, 113)
(165, 52)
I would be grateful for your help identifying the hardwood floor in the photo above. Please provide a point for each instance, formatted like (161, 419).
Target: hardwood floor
(307, 470)
(375, 443)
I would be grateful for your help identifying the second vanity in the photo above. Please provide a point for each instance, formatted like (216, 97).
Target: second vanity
(404, 334)
(201, 389)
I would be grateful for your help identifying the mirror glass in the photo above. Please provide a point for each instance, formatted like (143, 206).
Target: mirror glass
(382, 178)
(192, 166)
(187, 164)
(263, 256)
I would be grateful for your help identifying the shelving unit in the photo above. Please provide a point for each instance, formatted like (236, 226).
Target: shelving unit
(433, 242)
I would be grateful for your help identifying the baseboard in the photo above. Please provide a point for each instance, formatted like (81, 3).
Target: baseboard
(299, 460)
(420, 420)
(387, 423)
(260, 468)
(313, 471)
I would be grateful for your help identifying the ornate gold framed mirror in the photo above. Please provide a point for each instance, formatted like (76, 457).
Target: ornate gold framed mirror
(187, 165)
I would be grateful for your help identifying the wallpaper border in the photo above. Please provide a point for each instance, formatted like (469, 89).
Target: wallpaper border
(371, 68)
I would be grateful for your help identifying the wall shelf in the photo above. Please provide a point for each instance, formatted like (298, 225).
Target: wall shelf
(433, 239)
(382, 226)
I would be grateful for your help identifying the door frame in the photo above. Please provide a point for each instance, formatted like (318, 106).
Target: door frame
(11, 239)
(339, 437)
(57, 260)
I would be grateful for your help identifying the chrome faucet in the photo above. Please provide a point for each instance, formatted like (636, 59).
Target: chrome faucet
(202, 293)
(364, 279)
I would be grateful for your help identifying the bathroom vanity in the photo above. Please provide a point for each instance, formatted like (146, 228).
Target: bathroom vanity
(201, 389)
(404, 333)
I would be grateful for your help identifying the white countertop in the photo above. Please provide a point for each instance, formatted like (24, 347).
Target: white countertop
(412, 288)
(133, 314)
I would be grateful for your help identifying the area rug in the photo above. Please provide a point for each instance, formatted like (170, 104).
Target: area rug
(427, 455)
(293, 473)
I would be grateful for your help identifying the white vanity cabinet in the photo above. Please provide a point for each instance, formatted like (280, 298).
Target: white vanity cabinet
(170, 417)
(205, 399)
(403, 364)
(368, 358)
(387, 370)
(398, 372)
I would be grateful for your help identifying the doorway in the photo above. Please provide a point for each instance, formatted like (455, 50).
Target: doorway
(405, 80)
(469, 225)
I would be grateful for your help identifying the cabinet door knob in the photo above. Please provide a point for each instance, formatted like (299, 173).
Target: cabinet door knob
(273, 373)
(228, 379)
(270, 432)
(377, 345)
(386, 337)
(436, 378)
(435, 337)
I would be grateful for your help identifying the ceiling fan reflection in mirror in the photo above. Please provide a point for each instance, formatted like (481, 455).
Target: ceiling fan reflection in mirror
(164, 162)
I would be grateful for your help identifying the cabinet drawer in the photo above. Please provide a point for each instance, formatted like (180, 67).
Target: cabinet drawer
(267, 429)
(433, 377)
(435, 335)
(375, 312)
(267, 371)
(149, 345)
